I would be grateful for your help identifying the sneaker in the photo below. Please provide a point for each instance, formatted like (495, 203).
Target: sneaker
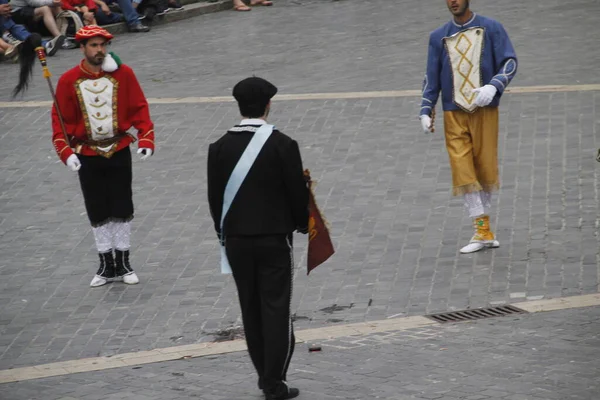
(162, 12)
(53, 45)
(9, 38)
(139, 27)
(141, 17)
(69, 45)
(13, 52)
(180, 8)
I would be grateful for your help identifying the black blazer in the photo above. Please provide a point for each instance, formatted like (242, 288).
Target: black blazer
(273, 199)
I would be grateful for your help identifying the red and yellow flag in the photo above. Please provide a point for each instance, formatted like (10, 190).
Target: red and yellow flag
(320, 247)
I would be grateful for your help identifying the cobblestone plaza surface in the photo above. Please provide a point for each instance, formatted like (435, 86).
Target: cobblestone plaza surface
(384, 187)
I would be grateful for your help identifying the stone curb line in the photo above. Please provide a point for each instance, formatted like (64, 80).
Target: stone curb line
(325, 96)
(206, 349)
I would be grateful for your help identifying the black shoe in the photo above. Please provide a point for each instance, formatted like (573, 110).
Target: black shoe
(106, 270)
(290, 394)
(139, 27)
(175, 5)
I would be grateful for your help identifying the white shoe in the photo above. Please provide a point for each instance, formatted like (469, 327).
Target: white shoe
(98, 281)
(131, 279)
(476, 246)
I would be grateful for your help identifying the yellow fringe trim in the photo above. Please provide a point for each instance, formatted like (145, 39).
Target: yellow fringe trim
(475, 187)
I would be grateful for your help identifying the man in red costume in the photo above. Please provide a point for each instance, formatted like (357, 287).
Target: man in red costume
(99, 101)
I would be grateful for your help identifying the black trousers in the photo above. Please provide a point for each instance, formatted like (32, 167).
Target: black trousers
(106, 187)
(262, 269)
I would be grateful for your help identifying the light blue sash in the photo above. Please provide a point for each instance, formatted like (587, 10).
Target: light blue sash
(237, 178)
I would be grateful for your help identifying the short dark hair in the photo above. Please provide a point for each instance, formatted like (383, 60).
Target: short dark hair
(253, 110)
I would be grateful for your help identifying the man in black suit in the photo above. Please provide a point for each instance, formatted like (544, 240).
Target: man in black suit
(271, 203)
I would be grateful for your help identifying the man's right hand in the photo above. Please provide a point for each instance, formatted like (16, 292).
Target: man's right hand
(426, 123)
(73, 162)
(5, 10)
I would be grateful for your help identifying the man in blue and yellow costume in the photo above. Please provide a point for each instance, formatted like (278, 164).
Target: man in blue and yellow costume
(471, 61)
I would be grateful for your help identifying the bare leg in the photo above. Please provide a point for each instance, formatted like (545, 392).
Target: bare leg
(49, 21)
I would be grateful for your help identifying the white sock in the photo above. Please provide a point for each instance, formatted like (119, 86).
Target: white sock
(102, 236)
(120, 232)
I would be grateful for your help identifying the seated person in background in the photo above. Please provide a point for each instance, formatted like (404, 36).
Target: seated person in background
(85, 8)
(132, 19)
(151, 8)
(40, 16)
(104, 15)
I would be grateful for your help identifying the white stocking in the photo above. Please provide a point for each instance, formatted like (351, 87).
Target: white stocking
(102, 236)
(121, 231)
(478, 203)
(486, 199)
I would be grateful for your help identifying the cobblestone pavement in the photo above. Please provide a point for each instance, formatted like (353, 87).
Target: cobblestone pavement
(383, 187)
(544, 356)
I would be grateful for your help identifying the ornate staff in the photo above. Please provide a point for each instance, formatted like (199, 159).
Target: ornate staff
(41, 55)
(32, 48)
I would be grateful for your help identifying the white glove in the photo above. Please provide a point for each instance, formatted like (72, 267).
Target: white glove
(485, 95)
(146, 153)
(73, 162)
(426, 123)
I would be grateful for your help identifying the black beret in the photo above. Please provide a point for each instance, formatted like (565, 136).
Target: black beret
(254, 90)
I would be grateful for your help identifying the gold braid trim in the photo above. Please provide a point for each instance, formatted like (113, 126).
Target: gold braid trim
(147, 140)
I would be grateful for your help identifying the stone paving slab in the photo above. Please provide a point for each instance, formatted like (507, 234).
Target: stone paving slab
(541, 356)
(384, 187)
(307, 46)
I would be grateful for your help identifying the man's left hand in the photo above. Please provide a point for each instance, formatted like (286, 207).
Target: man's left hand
(485, 95)
(145, 153)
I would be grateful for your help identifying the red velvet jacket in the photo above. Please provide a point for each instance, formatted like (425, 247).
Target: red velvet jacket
(97, 107)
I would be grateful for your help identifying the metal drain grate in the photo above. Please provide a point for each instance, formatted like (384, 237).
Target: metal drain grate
(479, 313)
